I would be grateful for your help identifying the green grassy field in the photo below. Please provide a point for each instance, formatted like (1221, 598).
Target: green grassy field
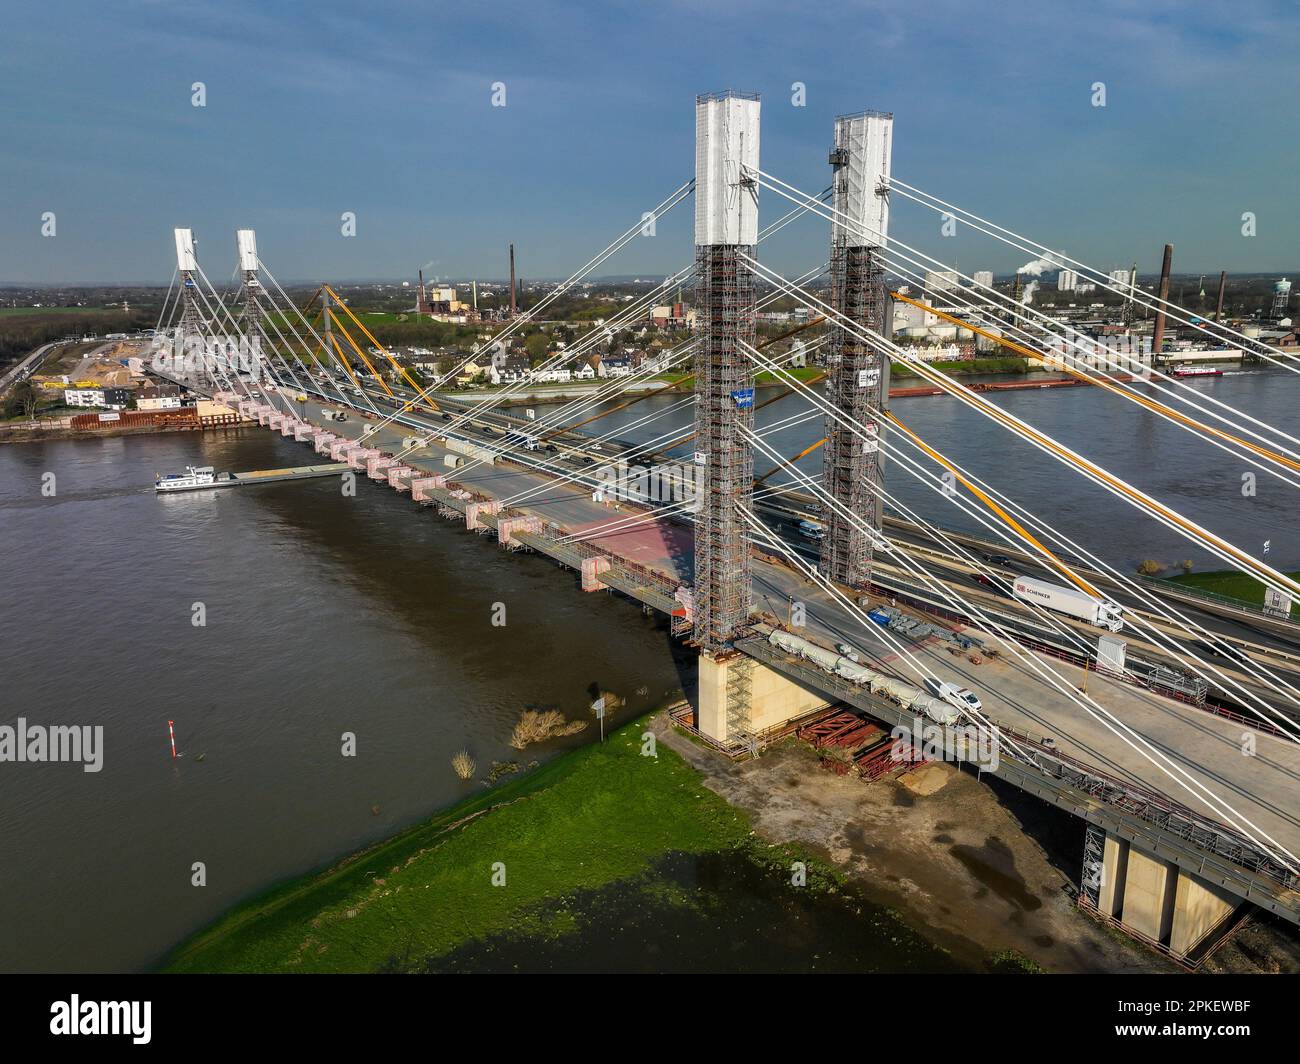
(965, 366)
(1232, 584)
(592, 817)
(17, 312)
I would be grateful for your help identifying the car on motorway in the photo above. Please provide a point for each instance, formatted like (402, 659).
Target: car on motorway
(998, 559)
(1221, 649)
(811, 530)
(954, 694)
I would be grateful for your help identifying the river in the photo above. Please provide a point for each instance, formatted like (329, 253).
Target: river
(1166, 461)
(326, 614)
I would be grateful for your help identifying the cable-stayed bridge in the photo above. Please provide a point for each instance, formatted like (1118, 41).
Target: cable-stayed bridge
(1170, 724)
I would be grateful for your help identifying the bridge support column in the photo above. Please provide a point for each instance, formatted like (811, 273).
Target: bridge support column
(508, 526)
(423, 486)
(740, 698)
(726, 230)
(473, 509)
(857, 375)
(1155, 899)
(591, 570)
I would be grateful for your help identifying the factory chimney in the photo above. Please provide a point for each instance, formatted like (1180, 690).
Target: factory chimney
(422, 299)
(1158, 337)
(1218, 309)
(513, 307)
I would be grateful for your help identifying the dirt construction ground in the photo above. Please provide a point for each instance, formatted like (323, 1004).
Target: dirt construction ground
(937, 845)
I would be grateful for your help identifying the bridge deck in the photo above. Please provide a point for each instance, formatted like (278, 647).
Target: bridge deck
(1262, 788)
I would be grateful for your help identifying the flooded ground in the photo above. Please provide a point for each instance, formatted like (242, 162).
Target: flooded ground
(719, 912)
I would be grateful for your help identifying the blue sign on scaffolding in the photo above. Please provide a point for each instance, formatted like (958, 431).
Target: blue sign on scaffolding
(744, 398)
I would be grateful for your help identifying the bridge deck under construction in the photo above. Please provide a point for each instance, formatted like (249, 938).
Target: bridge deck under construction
(655, 558)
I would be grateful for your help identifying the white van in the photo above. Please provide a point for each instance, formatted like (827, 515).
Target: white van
(811, 530)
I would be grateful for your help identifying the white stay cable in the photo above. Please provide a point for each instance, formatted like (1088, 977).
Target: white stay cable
(1194, 630)
(1189, 395)
(1112, 723)
(1279, 466)
(1185, 527)
(1023, 243)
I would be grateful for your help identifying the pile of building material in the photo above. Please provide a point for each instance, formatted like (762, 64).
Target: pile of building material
(904, 624)
(471, 450)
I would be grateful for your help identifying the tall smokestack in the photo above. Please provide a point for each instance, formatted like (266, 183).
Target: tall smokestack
(1223, 283)
(422, 300)
(1158, 337)
(512, 281)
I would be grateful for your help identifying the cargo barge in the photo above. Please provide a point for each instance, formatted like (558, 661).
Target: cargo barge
(206, 478)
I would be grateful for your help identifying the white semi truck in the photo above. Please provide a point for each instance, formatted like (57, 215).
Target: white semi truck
(1071, 601)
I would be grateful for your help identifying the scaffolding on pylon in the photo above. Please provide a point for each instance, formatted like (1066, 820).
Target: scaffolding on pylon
(724, 385)
(857, 372)
(857, 383)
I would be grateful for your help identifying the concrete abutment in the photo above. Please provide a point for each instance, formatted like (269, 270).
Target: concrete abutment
(1158, 901)
(773, 699)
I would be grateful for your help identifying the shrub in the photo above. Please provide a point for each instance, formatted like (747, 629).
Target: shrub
(538, 725)
(464, 765)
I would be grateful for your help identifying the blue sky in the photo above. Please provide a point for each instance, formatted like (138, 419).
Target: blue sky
(384, 109)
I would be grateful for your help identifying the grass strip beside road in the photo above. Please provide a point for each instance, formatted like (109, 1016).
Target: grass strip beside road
(1231, 584)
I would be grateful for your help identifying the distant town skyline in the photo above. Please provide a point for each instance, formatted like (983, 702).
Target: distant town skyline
(1105, 130)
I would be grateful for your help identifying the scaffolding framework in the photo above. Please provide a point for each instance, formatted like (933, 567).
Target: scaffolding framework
(724, 383)
(740, 697)
(193, 343)
(857, 382)
(1094, 856)
(726, 230)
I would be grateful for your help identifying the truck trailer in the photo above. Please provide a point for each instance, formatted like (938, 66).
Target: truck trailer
(1071, 601)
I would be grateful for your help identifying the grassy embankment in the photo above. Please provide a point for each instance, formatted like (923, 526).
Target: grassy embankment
(966, 366)
(897, 369)
(584, 820)
(1232, 584)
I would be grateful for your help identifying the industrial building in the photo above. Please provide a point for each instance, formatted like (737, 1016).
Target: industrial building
(938, 282)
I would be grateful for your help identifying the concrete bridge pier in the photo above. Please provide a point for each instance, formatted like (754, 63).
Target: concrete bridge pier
(740, 698)
(1153, 898)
